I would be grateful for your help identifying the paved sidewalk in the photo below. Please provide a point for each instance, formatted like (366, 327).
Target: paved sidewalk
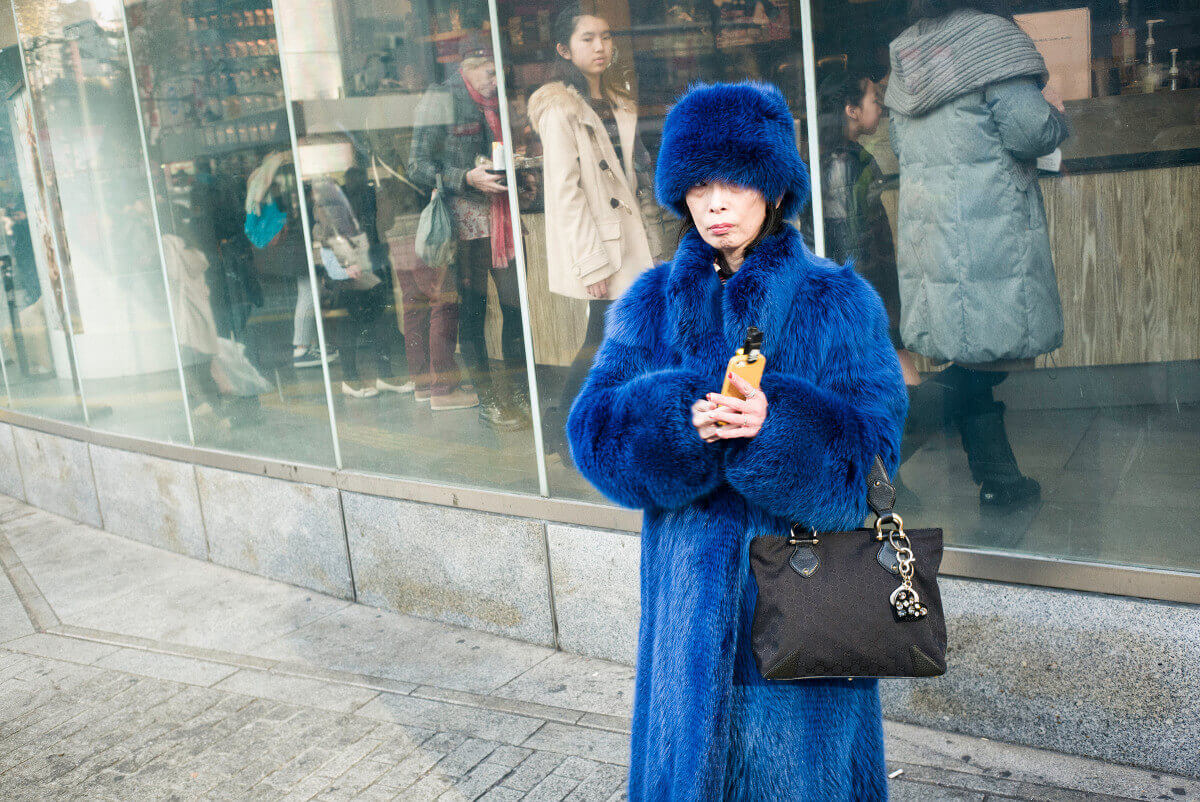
(130, 673)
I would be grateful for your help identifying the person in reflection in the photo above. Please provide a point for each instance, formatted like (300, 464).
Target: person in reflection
(644, 430)
(456, 123)
(195, 324)
(428, 294)
(856, 224)
(344, 252)
(601, 219)
(857, 229)
(970, 115)
(27, 296)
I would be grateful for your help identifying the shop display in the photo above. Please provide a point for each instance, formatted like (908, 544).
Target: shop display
(225, 90)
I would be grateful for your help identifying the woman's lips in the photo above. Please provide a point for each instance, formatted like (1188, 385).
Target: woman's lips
(721, 228)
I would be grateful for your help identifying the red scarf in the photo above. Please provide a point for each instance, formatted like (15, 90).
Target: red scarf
(503, 249)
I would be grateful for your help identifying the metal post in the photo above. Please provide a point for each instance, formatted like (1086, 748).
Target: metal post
(519, 248)
(162, 256)
(810, 109)
(308, 246)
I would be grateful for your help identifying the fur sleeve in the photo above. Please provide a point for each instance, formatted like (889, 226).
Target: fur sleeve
(630, 427)
(809, 462)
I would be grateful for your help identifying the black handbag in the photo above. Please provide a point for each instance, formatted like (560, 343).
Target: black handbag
(863, 603)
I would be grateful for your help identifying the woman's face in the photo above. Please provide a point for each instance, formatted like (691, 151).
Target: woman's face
(727, 216)
(868, 111)
(481, 77)
(591, 46)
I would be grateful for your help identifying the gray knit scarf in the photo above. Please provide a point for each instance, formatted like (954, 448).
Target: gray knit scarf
(937, 60)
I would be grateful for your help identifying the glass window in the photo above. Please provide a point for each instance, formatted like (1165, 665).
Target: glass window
(1037, 251)
(419, 285)
(107, 252)
(38, 366)
(619, 65)
(212, 100)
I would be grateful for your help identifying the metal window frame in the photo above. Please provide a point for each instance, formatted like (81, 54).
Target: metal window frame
(158, 231)
(306, 225)
(514, 206)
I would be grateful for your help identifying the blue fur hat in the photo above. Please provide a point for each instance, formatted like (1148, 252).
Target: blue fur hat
(741, 133)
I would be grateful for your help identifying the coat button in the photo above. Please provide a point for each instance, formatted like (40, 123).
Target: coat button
(613, 202)
(603, 164)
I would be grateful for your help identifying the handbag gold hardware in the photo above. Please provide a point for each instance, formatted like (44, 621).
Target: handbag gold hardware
(905, 601)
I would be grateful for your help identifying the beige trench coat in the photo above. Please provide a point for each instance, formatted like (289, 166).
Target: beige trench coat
(595, 224)
(195, 326)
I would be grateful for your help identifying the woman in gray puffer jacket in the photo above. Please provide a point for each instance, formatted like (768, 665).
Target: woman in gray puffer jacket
(977, 284)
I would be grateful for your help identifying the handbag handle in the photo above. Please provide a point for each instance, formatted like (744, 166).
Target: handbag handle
(881, 497)
(881, 493)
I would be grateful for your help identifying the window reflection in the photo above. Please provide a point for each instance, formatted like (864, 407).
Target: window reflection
(84, 109)
(398, 125)
(1043, 417)
(1055, 210)
(589, 85)
(211, 90)
(38, 367)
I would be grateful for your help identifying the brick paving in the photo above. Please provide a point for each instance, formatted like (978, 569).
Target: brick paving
(73, 731)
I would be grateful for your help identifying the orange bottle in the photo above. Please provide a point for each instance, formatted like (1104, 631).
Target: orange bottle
(747, 363)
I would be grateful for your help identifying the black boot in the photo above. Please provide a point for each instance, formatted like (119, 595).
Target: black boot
(993, 464)
(510, 392)
(520, 401)
(554, 435)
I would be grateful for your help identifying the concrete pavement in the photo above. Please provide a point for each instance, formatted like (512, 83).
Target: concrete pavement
(130, 673)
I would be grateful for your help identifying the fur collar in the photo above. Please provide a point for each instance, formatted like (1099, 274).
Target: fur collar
(709, 320)
(558, 94)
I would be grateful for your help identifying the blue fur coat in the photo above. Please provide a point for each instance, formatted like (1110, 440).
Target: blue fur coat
(706, 725)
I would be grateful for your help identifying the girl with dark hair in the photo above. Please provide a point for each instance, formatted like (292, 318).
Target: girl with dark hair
(970, 116)
(597, 183)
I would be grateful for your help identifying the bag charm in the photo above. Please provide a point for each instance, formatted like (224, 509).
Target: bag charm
(905, 601)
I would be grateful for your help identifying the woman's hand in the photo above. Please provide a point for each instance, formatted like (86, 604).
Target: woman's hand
(1053, 98)
(485, 182)
(742, 418)
(599, 289)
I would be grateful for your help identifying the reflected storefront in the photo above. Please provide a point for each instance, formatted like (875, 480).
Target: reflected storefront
(381, 238)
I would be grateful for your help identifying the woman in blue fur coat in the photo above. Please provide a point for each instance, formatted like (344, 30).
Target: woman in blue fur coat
(706, 725)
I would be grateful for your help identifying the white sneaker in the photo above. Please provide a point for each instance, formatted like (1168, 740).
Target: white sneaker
(385, 387)
(358, 390)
